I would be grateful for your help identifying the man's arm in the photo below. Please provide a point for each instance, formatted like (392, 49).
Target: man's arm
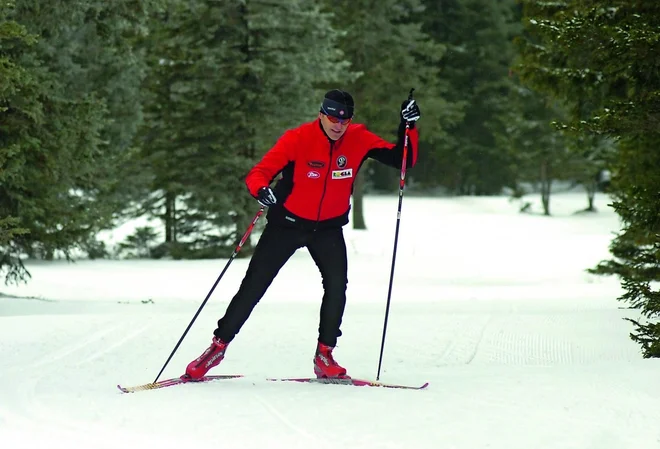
(392, 154)
(265, 171)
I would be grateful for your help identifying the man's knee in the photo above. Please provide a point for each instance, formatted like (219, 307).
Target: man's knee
(335, 284)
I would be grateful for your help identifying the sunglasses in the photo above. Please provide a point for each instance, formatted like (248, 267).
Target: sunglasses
(343, 121)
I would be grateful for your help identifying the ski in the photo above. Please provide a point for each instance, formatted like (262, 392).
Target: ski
(175, 381)
(334, 381)
(350, 381)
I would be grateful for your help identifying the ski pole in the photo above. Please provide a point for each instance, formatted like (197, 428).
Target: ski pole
(402, 182)
(231, 258)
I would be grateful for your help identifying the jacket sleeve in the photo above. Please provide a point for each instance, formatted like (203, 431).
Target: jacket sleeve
(391, 154)
(265, 171)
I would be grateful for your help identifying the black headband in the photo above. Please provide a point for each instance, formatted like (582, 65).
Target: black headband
(336, 109)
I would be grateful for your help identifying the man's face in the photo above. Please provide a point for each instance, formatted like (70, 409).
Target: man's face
(332, 129)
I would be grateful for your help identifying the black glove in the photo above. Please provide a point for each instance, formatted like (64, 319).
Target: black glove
(410, 112)
(266, 197)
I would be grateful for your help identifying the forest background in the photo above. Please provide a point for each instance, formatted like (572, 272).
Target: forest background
(157, 108)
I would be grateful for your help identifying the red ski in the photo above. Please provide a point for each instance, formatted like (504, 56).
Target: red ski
(350, 381)
(176, 381)
(336, 381)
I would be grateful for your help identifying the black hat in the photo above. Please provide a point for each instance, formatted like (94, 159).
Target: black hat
(338, 103)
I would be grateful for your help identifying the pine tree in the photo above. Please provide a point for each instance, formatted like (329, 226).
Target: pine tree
(582, 156)
(14, 78)
(539, 151)
(602, 53)
(392, 54)
(478, 36)
(226, 79)
(48, 140)
(61, 128)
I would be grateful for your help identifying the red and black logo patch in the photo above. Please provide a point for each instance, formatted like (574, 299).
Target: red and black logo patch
(316, 164)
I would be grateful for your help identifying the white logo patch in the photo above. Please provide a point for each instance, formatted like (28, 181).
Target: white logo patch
(342, 174)
(313, 174)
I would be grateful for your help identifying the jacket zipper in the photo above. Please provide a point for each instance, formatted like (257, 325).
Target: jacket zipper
(325, 185)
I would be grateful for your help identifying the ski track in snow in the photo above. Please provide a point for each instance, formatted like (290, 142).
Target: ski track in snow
(470, 343)
(81, 349)
(310, 440)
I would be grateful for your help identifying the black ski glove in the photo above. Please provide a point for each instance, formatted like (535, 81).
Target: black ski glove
(266, 197)
(410, 112)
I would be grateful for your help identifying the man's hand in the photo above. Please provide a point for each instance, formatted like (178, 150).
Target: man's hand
(266, 197)
(410, 111)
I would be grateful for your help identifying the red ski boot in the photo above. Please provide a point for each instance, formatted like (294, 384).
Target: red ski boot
(210, 358)
(325, 365)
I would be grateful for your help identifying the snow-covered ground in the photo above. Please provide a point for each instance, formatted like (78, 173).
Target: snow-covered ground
(522, 348)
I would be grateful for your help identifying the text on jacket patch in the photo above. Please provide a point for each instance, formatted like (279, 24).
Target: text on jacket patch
(341, 174)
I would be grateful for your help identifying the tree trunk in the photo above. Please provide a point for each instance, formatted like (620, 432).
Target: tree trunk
(358, 207)
(170, 217)
(546, 185)
(591, 195)
(175, 222)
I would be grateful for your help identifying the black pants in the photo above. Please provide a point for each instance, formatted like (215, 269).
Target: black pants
(276, 245)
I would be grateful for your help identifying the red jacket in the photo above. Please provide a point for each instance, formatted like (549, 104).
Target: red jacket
(318, 173)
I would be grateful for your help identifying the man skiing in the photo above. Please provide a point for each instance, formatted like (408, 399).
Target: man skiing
(308, 207)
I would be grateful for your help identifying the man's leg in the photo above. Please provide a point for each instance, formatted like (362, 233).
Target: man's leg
(328, 249)
(275, 247)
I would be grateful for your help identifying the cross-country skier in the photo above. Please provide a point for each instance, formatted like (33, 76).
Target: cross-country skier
(308, 207)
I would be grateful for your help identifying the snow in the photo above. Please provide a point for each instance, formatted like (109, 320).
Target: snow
(521, 346)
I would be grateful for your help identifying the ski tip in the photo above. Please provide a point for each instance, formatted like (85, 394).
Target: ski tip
(122, 389)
